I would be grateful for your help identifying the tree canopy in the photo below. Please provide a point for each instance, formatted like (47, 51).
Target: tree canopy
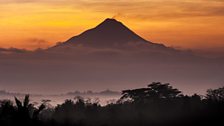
(154, 91)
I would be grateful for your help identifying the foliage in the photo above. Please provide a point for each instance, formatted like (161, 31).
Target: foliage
(154, 91)
(156, 105)
(216, 94)
(24, 113)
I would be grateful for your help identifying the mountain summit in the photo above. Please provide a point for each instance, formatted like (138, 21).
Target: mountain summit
(109, 33)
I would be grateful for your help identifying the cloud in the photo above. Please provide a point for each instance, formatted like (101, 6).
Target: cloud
(142, 9)
(37, 43)
(16, 1)
(4, 51)
(118, 15)
(150, 9)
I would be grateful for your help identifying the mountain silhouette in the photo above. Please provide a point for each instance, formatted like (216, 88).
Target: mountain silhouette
(109, 56)
(108, 34)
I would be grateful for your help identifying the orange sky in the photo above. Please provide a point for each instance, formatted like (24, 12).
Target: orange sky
(188, 24)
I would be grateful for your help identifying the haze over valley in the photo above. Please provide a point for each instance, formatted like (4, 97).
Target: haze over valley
(109, 56)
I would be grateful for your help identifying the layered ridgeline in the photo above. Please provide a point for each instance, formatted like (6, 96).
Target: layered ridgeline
(109, 56)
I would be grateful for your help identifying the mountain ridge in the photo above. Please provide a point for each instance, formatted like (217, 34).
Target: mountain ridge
(109, 33)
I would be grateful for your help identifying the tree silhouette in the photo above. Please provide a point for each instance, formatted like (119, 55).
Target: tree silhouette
(7, 111)
(23, 109)
(26, 112)
(154, 91)
(158, 105)
(216, 95)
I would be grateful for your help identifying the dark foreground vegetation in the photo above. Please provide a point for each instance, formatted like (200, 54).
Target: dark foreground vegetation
(156, 105)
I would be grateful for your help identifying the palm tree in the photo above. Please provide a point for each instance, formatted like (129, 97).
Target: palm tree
(26, 110)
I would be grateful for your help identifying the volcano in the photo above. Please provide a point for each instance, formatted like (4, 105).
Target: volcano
(109, 56)
(109, 34)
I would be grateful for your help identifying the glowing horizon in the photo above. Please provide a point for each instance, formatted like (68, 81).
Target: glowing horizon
(184, 24)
